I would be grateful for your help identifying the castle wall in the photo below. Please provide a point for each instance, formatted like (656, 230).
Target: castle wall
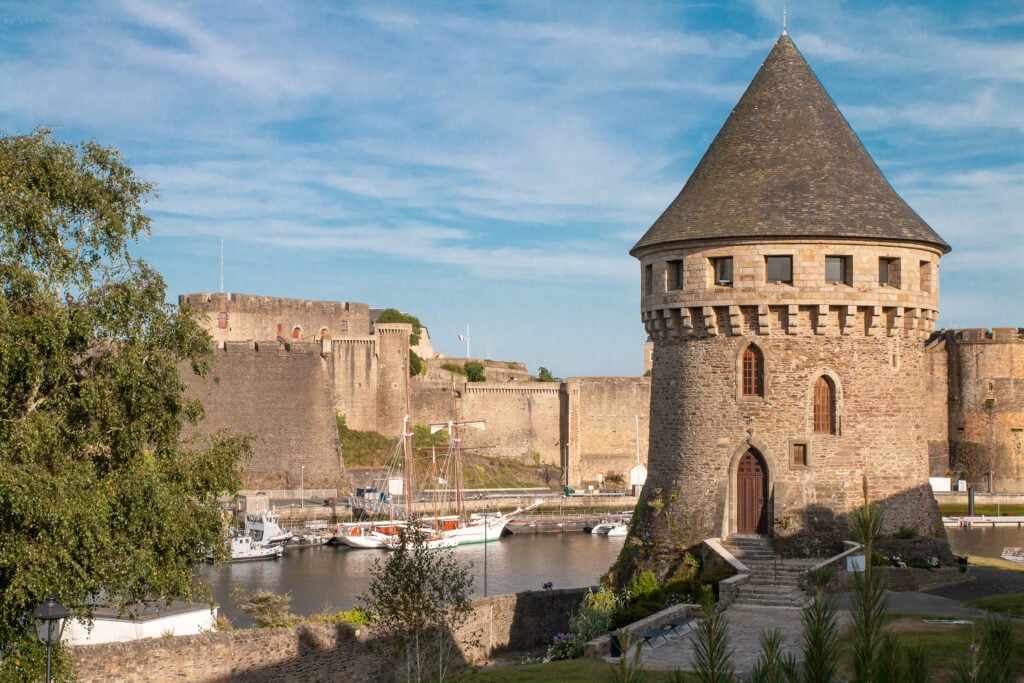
(392, 376)
(937, 400)
(241, 317)
(353, 367)
(281, 393)
(986, 410)
(601, 424)
(522, 418)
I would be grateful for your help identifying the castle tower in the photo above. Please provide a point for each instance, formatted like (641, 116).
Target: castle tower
(788, 291)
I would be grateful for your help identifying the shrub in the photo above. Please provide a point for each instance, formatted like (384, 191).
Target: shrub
(453, 367)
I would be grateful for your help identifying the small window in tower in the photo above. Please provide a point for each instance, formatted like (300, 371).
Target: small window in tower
(824, 406)
(753, 371)
(926, 276)
(779, 269)
(296, 332)
(675, 275)
(799, 454)
(838, 270)
(722, 269)
(648, 278)
(280, 330)
(889, 272)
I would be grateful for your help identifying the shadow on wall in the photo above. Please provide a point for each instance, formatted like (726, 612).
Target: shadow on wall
(327, 652)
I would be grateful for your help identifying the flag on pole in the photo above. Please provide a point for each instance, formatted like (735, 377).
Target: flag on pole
(461, 338)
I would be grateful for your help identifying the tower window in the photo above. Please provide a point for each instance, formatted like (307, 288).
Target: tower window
(838, 270)
(753, 371)
(779, 269)
(889, 272)
(926, 276)
(296, 332)
(824, 406)
(722, 270)
(648, 278)
(798, 454)
(675, 274)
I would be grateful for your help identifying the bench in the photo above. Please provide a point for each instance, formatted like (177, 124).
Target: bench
(648, 637)
(681, 625)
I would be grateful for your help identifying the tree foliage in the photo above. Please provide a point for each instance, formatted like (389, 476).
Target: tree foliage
(544, 375)
(418, 599)
(99, 497)
(474, 371)
(393, 315)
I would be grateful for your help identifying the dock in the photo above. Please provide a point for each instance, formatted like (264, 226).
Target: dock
(983, 522)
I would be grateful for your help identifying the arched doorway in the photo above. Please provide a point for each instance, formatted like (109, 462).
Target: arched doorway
(752, 494)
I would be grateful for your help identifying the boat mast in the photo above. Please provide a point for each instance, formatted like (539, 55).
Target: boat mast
(407, 444)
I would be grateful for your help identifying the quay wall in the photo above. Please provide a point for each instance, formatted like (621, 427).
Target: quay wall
(322, 652)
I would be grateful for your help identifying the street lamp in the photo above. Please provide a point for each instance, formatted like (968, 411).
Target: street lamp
(302, 486)
(49, 618)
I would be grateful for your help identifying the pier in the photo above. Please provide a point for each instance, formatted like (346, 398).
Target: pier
(984, 521)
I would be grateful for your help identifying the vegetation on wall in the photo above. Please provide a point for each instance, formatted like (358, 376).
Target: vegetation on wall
(475, 371)
(453, 367)
(416, 364)
(363, 448)
(393, 315)
(100, 495)
(544, 375)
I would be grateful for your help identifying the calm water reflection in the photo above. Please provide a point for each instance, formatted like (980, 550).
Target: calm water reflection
(330, 578)
(333, 578)
(984, 542)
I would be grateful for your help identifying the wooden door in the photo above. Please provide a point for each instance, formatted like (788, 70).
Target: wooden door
(751, 495)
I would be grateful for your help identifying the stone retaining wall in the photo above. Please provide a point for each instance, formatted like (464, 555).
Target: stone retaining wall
(321, 652)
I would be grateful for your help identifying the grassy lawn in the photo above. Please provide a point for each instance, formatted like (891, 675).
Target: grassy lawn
(585, 669)
(943, 644)
(1010, 605)
(994, 563)
(989, 509)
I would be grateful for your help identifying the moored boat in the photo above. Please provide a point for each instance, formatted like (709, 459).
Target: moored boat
(243, 548)
(265, 528)
(1013, 554)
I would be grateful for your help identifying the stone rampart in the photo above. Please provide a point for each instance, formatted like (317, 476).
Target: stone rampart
(601, 418)
(986, 405)
(521, 418)
(241, 317)
(321, 652)
(281, 394)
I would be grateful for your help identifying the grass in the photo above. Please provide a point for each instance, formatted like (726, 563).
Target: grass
(988, 509)
(943, 644)
(585, 669)
(1011, 605)
(994, 563)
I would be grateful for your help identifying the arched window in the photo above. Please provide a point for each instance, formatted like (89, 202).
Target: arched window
(824, 406)
(753, 371)
(296, 332)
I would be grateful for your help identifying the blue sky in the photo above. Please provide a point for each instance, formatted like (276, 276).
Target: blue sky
(491, 164)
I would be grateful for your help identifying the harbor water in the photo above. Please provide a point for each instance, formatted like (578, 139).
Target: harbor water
(329, 578)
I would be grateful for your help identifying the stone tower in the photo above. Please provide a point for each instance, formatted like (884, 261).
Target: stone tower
(788, 291)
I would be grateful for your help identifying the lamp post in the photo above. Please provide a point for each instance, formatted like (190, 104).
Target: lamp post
(302, 486)
(49, 618)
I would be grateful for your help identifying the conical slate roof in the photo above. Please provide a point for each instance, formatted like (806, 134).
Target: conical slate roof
(787, 164)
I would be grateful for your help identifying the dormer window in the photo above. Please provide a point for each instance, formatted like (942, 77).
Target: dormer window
(779, 269)
(721, 268)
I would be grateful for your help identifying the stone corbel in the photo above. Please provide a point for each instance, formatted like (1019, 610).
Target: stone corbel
(763, 321)
(685, 323)
(735, 321)
(792, 319)
(821, 319)
(897, 321)
(873, 315)
(847, 319)
(710, 321)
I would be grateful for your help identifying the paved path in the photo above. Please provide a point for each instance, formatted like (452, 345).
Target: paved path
(747, 622)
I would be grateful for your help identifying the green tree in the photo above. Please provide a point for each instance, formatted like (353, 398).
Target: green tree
(418, 598)
(544, 375)
(98, 494)
(393, 315)
(474, 371)
(416, 364)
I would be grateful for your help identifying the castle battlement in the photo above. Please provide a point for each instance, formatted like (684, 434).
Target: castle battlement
(792, 319)
(982, 334)
(217, 301)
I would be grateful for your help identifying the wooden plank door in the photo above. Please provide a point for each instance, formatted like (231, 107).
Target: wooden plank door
(751, 496)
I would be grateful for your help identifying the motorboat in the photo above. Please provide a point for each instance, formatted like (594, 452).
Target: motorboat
(265, 528)
(618, 529)
(1013, 554)
(243, 548)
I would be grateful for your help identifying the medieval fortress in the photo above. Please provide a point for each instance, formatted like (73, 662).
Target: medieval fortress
(790, 297)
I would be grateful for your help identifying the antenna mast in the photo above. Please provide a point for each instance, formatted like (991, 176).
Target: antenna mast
(221, 265)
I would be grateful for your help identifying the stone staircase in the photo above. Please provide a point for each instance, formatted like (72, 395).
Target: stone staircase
(773, 581)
